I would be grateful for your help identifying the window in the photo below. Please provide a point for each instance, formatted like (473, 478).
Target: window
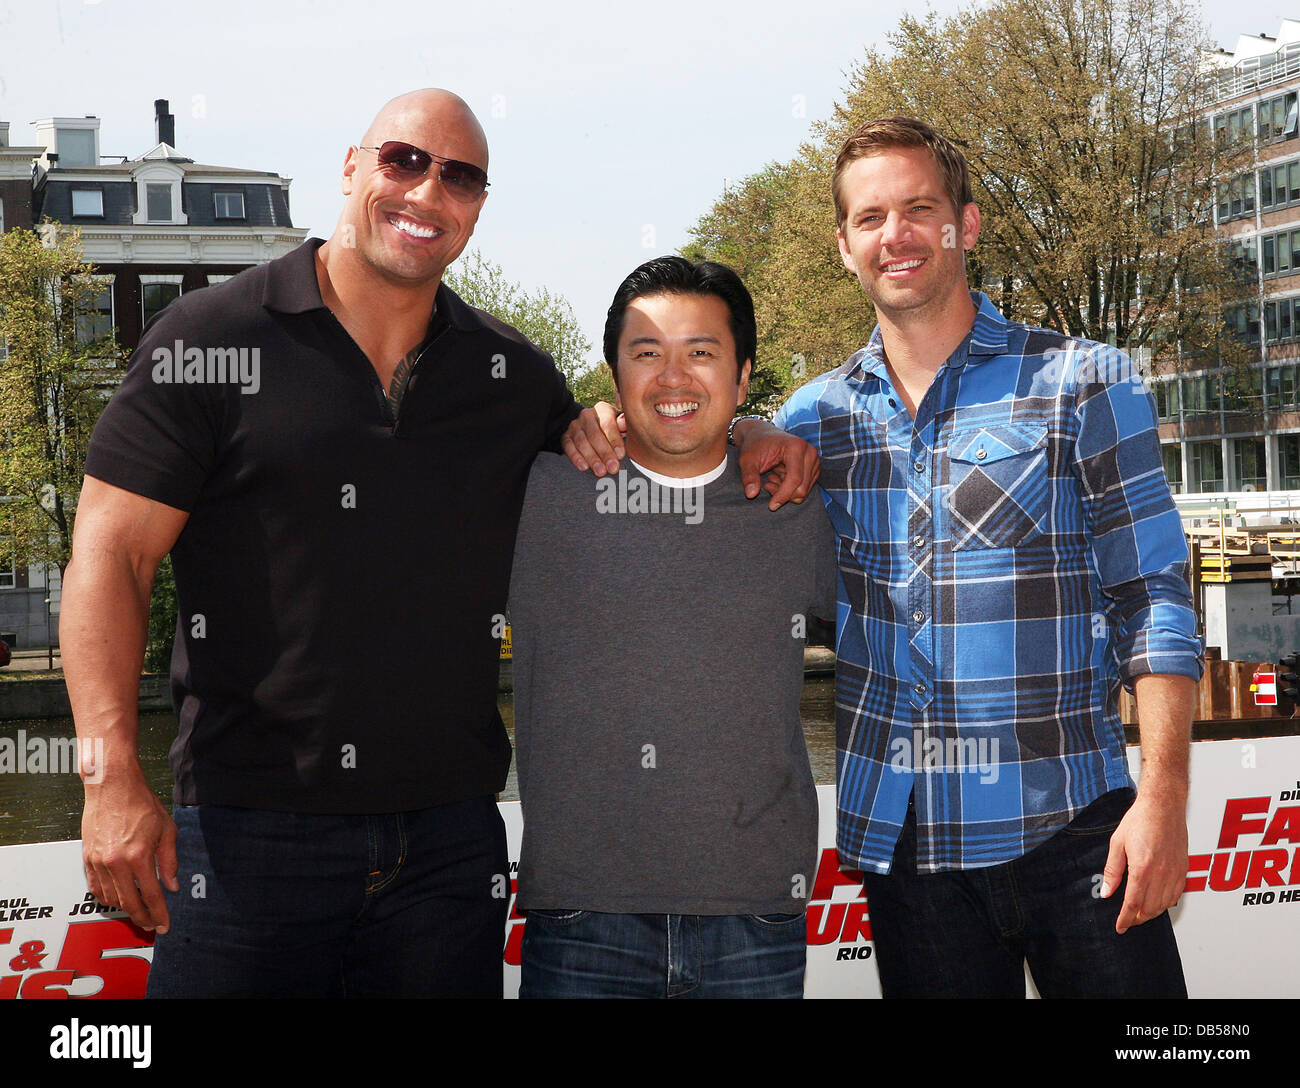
(95, 322)
(1173, 461)
(1277, 118)
(87, 202)
(1280, 321)
(1206, 465)
(228, 205)
(159, 199)
(76, 146)
(8, 573)
(1245, 257)
(1243, 391)
(156, 296)
(1230, 126)
(1280, 388)
(1243, 323)
(1166, 394)
(1279, 185)
(1280, 253)
(1237, 198)
(1248, 460)
(1288, 448)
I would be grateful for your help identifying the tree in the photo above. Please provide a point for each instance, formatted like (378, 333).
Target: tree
(546, 319)
(51, 388)
(1091, 162)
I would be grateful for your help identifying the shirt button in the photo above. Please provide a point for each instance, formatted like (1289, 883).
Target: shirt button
(919, 466)
(918, 615)
(980, 454)
(919, 542)
(919, 689)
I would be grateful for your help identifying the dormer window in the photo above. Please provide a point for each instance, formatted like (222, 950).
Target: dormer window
(88, 202)
(158, 194)
(159, 201)
(228, 205)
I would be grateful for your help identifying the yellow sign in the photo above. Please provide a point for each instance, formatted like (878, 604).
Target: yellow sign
(506, 652)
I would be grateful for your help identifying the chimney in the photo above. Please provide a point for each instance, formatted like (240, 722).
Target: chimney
(164, 124)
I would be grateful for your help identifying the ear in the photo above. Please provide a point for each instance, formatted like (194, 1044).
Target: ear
(845, 255)
(970, 227)
(349, 169)
(743, 390)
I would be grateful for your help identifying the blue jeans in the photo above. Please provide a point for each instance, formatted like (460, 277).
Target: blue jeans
(283, 904)
(579, 953)
(968, 933)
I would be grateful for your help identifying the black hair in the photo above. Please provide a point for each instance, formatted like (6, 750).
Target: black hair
(678, 276)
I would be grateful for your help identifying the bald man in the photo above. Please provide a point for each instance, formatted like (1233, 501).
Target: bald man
(289, 437)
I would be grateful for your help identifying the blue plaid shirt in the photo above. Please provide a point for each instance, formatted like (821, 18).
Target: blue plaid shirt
(1007, 559)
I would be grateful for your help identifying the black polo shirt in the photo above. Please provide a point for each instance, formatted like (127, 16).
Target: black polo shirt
(343, 573)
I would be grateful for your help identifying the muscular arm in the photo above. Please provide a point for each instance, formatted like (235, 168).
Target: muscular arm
(1151, 840)
(128, 838)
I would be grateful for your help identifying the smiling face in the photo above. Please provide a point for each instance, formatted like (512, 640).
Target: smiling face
(677, 382)
(901, 235)
(409, 229)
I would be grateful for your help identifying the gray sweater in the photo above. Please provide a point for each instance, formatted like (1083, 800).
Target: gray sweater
(658, 663)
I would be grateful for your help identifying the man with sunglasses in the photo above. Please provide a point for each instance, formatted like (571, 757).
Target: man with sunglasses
(342, 538)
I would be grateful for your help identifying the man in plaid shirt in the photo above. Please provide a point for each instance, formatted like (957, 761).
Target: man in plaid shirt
(1010, 555)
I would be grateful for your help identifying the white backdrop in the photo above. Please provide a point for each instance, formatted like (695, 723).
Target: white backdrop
(1238, 924)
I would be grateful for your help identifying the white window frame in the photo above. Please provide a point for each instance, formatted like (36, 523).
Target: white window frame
(160, 277)
(88, 192)
(108, 281)
(158, 173)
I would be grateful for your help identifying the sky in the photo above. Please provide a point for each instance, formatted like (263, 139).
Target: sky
(612, 128)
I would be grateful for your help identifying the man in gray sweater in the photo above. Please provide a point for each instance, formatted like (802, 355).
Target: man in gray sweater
(670, 818)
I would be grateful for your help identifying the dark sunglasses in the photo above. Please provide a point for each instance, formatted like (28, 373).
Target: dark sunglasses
(463, 180)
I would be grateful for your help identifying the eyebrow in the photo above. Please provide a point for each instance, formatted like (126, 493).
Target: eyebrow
(637, 341)
(923, 197)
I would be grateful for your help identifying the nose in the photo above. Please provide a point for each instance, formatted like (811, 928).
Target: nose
(428, 190)
(896, 232)
(673, 373)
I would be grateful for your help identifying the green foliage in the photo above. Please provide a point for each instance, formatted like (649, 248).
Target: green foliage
(593, 385)
(52, 388)
(1096, 190)
(546, 319)
(162, 619)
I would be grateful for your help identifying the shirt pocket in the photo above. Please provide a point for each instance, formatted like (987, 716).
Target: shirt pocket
(997, 486)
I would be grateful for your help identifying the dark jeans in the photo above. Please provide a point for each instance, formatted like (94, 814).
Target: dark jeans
(968, 933)
(282, 904)
(584, 954)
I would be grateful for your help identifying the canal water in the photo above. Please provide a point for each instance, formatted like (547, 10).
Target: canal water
(47, 807)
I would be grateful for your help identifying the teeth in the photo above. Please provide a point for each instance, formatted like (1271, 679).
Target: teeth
(902, 266)
(407, 227)
(675, 410)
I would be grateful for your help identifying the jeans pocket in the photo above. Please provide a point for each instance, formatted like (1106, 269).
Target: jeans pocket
(997, 485)
(776, 921)
(1103, 815)
(556, 917)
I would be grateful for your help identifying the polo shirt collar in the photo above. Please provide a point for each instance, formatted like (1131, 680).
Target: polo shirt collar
(987, 337)
(291, 288)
